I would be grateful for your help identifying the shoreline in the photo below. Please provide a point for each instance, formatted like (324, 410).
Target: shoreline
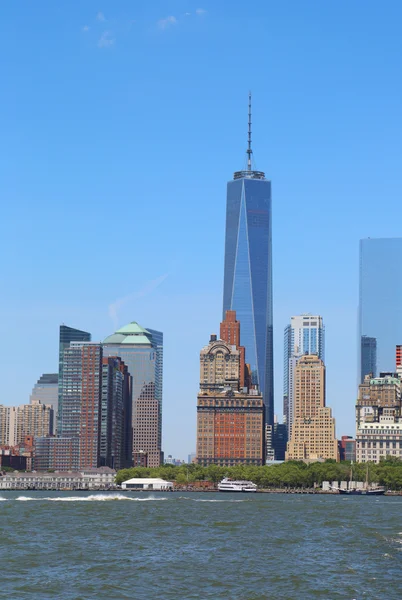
(298, 491)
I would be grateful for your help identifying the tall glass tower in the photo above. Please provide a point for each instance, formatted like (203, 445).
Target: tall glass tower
(66, 336)
(142, 351)
(248, 271)
(380, 305)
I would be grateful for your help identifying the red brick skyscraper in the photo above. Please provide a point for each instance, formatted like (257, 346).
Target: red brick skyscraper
(230, 333)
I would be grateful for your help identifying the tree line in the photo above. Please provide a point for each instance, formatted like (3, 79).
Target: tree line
(290, 474)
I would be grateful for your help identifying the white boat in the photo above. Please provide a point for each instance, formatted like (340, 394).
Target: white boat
(230, 485)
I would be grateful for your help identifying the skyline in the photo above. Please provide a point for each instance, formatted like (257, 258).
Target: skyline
(79, 156)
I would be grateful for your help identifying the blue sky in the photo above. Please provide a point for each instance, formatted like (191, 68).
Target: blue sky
(121, 123)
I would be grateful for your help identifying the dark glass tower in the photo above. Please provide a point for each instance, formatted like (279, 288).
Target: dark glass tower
(67, 335)
(248, 271)
(368, 353)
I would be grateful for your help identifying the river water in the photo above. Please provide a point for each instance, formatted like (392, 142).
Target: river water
(80, 546)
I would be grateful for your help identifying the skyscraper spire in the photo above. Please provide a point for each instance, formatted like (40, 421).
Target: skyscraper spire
(249, 150)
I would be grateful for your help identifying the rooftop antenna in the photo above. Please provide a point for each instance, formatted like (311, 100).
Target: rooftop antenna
(249, 150)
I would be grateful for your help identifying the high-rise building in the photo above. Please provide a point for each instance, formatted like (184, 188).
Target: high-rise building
(313, 433)
(5, 425)
(157, 342)
(230, 418)
(304, 335)
(230, 333)
(398, 360)
(380, 313)
(115, 402)
(35, 419)
(66, 336)
(368, 356)
(80, 411)
(248, 271)
(142, 352)
(46, 390)
(379, 418)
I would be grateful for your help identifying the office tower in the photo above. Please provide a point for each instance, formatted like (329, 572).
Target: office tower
(230, 333)
(157, 342)
(230, 418)
(368, 354)
(191, 458)
(280, 440)
(313, 433)
(398, 360)
(115, 400)
(248, 271)
(142, 352)
(347, 448)
(378, 418)
(79, 417)
(304, 335)
(380, 290)
(35, 419)
(5, 425)
(46, 390)
(66, 336)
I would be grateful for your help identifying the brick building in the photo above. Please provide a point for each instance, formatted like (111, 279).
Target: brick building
(230, 416)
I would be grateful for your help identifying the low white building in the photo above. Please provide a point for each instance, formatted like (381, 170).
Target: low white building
(87, 479)
(142, 483)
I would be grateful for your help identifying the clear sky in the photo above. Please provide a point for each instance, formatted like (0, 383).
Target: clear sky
(121, 123)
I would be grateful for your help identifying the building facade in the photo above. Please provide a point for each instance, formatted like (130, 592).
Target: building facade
(313, 433)
(142, 352)
(378, 418)
(115, 413)
(46, 390)
(5, 425)
(347, 448)
(248, 272)
(35, 419)
(55, 454)
(66, 336)
(380, 315)
(304, 335)
(88, 479)
(230, 417)
(368, 356)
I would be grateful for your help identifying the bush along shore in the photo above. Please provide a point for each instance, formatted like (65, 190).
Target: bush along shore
(288, 476)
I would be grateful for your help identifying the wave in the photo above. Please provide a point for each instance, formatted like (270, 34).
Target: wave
(209, 499)
(3, 499)
(92, 498)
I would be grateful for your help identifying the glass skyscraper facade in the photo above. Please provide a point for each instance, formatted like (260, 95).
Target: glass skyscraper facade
(380, 304)
(66, 336)
(142, 351)
(368, 356)
(248, 274)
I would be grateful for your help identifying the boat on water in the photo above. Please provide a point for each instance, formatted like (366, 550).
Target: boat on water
(230, 485)
(363, 492)
(366, 490)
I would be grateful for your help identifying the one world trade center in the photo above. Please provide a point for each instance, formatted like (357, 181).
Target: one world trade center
(248, 271)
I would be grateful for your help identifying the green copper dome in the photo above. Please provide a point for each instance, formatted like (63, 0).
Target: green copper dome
(130, 334)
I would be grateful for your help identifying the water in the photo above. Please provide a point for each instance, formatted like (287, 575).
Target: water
(80, 546)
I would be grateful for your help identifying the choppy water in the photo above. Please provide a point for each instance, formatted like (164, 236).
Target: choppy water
(82, 546)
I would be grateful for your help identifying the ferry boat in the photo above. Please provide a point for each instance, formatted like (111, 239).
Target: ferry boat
(230, 485)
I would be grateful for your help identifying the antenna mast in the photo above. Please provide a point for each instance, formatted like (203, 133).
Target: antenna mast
(249, 150)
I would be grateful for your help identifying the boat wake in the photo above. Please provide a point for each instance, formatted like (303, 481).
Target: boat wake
(92, 498)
